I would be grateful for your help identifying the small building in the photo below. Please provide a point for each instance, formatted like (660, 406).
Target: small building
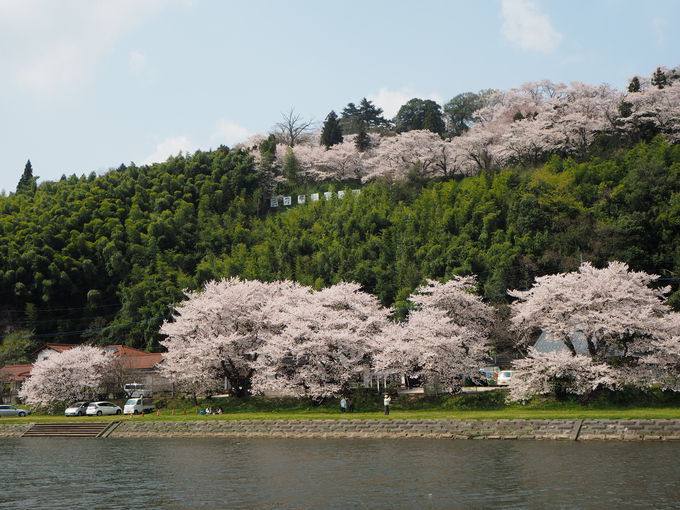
(141, 367)
(11, 379)
(49, 349)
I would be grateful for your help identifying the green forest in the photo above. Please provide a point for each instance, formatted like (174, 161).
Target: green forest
(102, 259)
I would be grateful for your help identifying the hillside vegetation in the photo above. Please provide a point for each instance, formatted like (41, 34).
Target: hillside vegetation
(103, 259)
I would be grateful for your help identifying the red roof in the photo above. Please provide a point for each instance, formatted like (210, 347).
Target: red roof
(135, 358)
(58, 347)
(146, 361)
(15, 372)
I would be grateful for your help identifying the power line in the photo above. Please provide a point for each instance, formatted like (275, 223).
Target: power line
(88, 331)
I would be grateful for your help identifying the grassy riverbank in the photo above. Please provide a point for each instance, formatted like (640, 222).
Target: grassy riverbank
(482, 406)
(507, 414)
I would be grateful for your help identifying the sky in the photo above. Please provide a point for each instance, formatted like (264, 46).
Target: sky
(86, 85)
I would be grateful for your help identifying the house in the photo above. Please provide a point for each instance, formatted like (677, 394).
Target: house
(49, 349)
(11, 379)
(136, 366)
(132, 366)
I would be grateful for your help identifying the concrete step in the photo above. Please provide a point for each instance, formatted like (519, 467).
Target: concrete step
(96, 429)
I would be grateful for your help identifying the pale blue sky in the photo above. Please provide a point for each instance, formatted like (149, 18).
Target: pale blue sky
(87, 84)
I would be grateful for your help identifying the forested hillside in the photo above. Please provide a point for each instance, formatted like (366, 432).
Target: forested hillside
(506, 185)
(103, 259)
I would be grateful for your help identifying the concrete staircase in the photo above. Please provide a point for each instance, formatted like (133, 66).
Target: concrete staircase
(95, 429)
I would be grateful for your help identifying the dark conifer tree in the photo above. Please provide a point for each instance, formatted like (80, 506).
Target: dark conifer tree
(362, 142)
(371, 115)
(331, 132)
(432, 119)
(659, 78)
(634, 85)
(26, 184)
(291, 167)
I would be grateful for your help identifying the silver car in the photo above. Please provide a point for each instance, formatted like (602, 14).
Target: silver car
(100, 408)
(6, 410)
(77, 409)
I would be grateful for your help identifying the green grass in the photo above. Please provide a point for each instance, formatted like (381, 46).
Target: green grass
(510, 413)
(629, 404)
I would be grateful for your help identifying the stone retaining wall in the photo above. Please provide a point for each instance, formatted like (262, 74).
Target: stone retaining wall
(395, 428)
(629, 430)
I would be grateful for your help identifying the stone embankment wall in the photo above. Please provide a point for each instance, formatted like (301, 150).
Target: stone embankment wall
(396, 428)
(627, 430)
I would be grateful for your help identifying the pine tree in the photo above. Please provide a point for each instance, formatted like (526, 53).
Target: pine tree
(634, 85)
(362, 142)
(659, 78)
(331, 132)
(27, 184)
(371, 115)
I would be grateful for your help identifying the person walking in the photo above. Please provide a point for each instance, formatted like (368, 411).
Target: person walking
(343, 405)
(387, 401)
(350, 405)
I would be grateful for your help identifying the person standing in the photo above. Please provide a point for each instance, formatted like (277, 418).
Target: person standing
(350, 405)
(343, 405)
(387, 401)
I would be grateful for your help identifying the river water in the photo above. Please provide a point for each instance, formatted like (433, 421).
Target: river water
(336, 474)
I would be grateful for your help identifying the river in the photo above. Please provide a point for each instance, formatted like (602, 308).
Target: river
(40, 473)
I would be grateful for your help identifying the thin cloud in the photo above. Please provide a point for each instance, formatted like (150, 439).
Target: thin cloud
(527, 27)
(391, 100)
(58, 45)
(229, 133)
(170, 147)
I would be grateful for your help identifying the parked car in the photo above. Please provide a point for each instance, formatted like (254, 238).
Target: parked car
(489, 376)
(138, 406)
(6, 411)
(100, 408)
(505, 377)
(77, 409)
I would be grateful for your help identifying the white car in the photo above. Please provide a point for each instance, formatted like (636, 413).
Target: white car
(77, 409)
(100, 408)
(505, 377)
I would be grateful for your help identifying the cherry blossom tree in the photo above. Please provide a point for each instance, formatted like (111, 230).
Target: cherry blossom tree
(559, 373)
(654, 109)
(75, 374)
(445, 338)
(661, 364)
(216, 333)
(326, 338)
(625, 322)
(614, 308)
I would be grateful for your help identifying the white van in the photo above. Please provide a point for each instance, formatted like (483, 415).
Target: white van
(138, 406)
(505, 377)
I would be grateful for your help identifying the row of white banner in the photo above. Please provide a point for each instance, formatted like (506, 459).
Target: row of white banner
(301, 199)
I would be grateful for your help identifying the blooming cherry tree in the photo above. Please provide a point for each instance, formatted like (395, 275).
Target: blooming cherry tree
(558, 373)
(615, 309)
(75, 374)
(625, 323)
(445, 338)
(326, 338)
(217, 332)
